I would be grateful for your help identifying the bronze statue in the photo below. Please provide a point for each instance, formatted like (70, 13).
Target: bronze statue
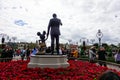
(53, 27)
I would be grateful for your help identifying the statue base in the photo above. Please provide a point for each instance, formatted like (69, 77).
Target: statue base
(48, 61)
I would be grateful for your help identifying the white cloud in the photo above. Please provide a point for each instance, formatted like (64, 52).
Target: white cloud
(81, 18)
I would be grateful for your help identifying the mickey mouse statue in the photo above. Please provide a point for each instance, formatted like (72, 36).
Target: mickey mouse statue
(42, 44)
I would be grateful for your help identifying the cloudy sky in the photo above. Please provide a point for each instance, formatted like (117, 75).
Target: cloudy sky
(80, 18)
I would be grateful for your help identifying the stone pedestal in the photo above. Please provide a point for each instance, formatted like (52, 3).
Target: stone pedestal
(48, 61)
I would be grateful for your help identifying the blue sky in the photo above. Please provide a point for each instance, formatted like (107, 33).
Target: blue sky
(80, 18)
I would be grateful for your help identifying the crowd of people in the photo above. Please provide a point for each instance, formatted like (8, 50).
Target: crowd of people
(102, 55)
(8, 53)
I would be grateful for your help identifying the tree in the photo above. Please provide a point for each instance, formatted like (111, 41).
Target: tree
(119, 45)
(96, 45)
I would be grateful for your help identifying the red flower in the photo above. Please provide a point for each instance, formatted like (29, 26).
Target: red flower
(78, 70)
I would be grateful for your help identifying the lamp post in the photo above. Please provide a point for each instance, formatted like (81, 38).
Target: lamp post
(69, 40)
(99, 35)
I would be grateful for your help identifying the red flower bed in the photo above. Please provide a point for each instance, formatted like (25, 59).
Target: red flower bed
(78, 70)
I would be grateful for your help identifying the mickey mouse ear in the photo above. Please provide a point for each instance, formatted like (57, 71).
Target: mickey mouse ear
(44, 32)
(38, 33)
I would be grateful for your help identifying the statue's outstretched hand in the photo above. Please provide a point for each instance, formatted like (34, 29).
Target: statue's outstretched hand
(47, 35)
(46, 38)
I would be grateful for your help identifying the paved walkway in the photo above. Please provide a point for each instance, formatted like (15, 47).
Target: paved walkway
(112, 67)
(17, 58)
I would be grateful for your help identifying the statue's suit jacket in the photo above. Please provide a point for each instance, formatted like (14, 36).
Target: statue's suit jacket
(54, 25)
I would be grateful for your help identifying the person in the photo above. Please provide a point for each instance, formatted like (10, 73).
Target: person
(118, 56)
(75, 53)
(48, 50)
(34, 51)
(54, 25)
(18, 51)
(92, 54)
(4, 54)
(102, 56)
(23, 52)
(60, 50)
(28, 53)
(109, 75)
(10, 53)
